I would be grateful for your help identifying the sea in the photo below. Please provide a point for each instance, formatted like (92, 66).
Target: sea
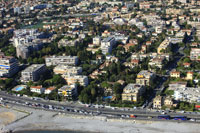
(49, 131)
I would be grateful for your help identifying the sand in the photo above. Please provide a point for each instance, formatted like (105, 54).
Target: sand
(7, 117)
(53, 121)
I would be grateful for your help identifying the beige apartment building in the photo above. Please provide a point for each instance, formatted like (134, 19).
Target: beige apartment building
(132, 92)
(73, 79)
(163, 46)
(168, 102)
(175, 74)
(157, 102)
(145, 77)
(65, 69)
(189, 76)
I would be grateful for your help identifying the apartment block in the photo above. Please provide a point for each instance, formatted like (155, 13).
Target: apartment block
(107, 44)
(145, 78)
(132, 92)
(22, 51)
(73, 79)
(97, 40)
(64, 60)
(163, 46)
(64, 69)
(33, 72)
(70, 43)
(188, 94)
(8, 66)
(168, 102)
(158, 102)
(195, 54)
(174, 85)
(68, 91)
(157, 62)
(26, 41)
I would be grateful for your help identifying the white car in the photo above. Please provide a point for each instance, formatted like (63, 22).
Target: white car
(192, 120)
(163, 113)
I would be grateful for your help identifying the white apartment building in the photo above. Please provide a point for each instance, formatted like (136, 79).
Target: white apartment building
(27, 40)
(66, 42)
(64, 60)
(188, 94)
(68, 91)
(97, 40)
(8, 66)
(33, 72)
(107, 44)
(182, 1)
(195, 54)
(23, 36)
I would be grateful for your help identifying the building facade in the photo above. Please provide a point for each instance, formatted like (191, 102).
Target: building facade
(145, 78)
(195, 54)
(68, 91)
(158, 102)
(163, 46)
(73, 79)
(175, 74)
(37, 89)
(64, 60)
(132, 92)
(107, 44)
(64, 69)
(33, 72)
(49, 90)
(8, 66)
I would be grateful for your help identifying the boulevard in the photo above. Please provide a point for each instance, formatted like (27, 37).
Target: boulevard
(95, 110)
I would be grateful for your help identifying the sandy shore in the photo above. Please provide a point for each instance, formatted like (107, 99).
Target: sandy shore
(53, 121)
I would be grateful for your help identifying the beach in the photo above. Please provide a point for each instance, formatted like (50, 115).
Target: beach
(46, 120)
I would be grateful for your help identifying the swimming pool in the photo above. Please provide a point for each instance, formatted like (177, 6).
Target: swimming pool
(19, 88)
(108, 97)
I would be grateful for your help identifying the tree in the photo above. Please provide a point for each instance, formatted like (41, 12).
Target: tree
(30, 83)
(186, 60)
(93, 92)
(117, 88)
(57, 79)
(187, 51)
(8, 82)
(105, 84)
(86, 98)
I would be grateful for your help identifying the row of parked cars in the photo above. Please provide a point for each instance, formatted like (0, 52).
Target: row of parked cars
(50, 107)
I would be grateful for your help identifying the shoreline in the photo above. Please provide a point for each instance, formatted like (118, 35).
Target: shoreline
(41, 120)
(52, 130)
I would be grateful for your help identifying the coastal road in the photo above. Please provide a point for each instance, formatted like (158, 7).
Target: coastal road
(67, 108)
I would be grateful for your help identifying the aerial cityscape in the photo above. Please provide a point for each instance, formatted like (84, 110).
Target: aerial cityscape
(128, 66)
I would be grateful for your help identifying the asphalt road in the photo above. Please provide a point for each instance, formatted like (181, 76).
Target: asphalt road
(74, 109)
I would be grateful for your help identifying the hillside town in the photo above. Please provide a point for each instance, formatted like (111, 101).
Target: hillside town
(122, 53)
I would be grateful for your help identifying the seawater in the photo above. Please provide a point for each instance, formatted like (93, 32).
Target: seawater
(48, 131)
